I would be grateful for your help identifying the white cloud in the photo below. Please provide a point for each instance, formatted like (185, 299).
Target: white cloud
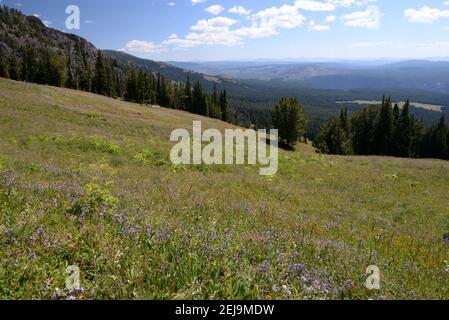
(425, 14)
(172, 4)
(268, 22)
(194, 2)
(310, 5)
(240, 10)
(370, 18)
(349, 3)
(146, 47)
(313, 26)
(215, 9)
(331, 19)
(207, 32)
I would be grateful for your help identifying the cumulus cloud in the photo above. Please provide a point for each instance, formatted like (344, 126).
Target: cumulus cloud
(215, 9)
(310, 5)
(194, 2)
(240, 10)
(313, 26)
(425, 14)
(268, 22)
(370, 18)
(331, 19)
(146, 47)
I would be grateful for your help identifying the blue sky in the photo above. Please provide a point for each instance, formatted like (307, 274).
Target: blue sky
(189, 30)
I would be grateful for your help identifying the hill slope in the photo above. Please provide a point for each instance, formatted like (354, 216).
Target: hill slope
(176, 74)
(85, 180)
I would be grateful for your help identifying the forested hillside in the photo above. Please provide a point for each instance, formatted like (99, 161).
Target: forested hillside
(386, 131)
(32, 52)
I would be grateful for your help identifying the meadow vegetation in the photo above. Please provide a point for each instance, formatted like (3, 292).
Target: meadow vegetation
(86, 180)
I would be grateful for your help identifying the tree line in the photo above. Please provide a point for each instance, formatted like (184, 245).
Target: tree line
(113, 79)
(384, 130)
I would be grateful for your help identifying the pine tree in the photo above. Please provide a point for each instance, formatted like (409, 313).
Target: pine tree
(404, 133)
(344, 121)
(290, 119)
(55, 71)
(188, 95)
(440, 143)
(4, 69)
(199, 103)
(363, 126)
(384, 128)
(14, 70)
(100, 84)
(333, 138)
(224, 108)
(395, 139)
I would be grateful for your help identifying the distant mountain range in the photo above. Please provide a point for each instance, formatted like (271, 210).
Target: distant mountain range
(419, 74)
(175, 73)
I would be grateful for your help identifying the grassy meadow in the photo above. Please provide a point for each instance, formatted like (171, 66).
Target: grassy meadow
(86, 180)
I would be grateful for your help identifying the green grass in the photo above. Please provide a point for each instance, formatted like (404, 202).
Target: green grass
(86, 180)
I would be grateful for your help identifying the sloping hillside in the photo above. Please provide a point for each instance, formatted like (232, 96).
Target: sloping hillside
(177, 74)
(86, 181)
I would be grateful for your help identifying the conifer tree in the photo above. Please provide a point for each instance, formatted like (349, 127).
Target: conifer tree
(4, 69)
(384, 128)
(100, 84)
(224, 107)
(188, 95)
(404, 133)
(199, 100)
(333, 138)
(290, 119)
(14, 70)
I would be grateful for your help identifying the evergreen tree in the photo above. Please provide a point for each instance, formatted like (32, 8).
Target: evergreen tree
(384, 128)
(439, 142)
(333, 137)
(224, 107)
(188, 95)
(363, 126)
(396, 132)
(55, 67)
(100, 84)
(14, 69)
(4, 69)
(404, 133)
(199, 103)
(345, 122)
(290, 119)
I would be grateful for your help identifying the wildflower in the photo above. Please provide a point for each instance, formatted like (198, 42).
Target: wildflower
(275, 288)
(264, 267)
(297, 267)
(348, 284)
(287, 290)
(57, 294)
(47, 285)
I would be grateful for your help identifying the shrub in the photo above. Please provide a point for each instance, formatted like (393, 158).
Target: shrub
(93, 199)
